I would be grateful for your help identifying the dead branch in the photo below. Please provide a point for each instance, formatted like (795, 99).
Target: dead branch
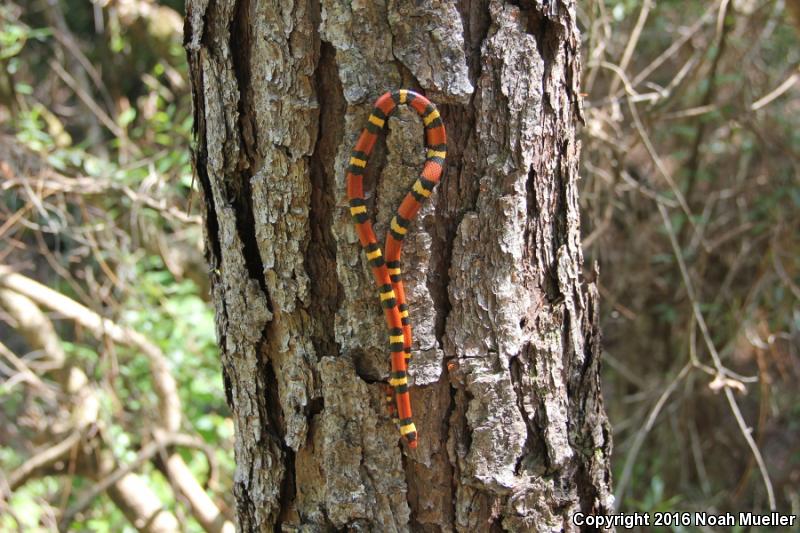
(163, 381)
(203, 508)
(147, 453)
(42, 460)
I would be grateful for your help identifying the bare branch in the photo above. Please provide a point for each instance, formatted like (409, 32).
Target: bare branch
(746, 432)
(26, 373)
(631, 46)
(776, 93)
(163, 381)
(42, 460)
(145, 454)
(203, 508)
(630, 459)
(51, 181)
(101, 115)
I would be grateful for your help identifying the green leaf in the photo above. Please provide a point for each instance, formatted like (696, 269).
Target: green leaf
(126, 117)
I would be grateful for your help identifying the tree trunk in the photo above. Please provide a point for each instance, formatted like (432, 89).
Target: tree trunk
(505, 373)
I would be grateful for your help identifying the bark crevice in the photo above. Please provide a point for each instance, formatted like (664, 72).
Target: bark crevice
(320, 257)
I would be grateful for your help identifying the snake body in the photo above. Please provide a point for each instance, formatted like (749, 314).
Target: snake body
(386, 270)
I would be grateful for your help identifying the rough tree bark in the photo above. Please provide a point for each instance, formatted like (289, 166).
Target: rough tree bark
(506, 391)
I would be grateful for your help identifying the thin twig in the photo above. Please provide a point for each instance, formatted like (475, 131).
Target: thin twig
(145, 454)
(649, 145)
(54, 182)
(775, 93)
(746, 432)
(163, 381)
(42, 459)
(632, 42)
(68, 41)
(101, 115)
(675, 46)
(27, 374)
(4, 507)
(630, 459)
(720, 42)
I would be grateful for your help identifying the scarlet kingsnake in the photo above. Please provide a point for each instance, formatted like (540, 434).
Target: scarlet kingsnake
(387, 272)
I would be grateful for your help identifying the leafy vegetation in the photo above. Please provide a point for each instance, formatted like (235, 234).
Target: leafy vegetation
(96, 204)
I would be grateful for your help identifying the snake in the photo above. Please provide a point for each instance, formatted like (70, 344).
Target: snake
(386, 269)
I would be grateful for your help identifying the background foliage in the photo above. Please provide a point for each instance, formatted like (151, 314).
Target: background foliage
(690, 200)
(95, 104)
